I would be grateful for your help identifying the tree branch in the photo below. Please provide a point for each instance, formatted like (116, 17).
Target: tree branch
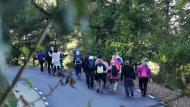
(21, 70)
(40, 9)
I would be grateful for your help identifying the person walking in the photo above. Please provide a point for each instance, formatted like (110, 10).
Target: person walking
(62, 56)
(105, 62)
(128, 75)
(90, 72)
(49, 59)
(56, 61)
(41, 59)
(100, 69)
(144, 73)
(78, 66)
(84, 66)
(114, 77)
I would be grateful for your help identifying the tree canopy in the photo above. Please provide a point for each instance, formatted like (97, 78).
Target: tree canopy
(157, 30)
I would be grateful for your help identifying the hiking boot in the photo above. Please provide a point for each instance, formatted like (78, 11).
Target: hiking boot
(143, 95)
(78, 77)
(127, 96)
(98, 90)
(132, 94)
(91, 87)
(49, 72)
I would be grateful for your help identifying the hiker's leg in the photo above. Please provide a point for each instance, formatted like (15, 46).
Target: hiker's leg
(145, 85)
(98, 85)
(132, 87)
(76, 69)
(126, 88)
(58, 68)
(140, 85)
(61, 64)
(49, 67)
(115, 85)
(79, 69)
(54, 70)
(88, 79)
(92, 79)
(101, 85)
(132, 90)
(111, 85)
(41, 66)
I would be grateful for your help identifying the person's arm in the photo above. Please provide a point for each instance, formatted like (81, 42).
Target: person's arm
(50, 54)
(133, 73)
(52, 60)
(138, 71)
(122, 73)
(44, 56)
(104, 67)
(80, 61)
(95, 69)
(150, 72)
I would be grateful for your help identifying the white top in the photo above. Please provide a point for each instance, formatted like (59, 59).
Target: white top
(55, 58)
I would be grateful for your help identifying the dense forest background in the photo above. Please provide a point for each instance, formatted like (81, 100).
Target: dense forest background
(157, 30)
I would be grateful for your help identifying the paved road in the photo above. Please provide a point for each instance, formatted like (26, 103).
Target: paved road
(68, 97)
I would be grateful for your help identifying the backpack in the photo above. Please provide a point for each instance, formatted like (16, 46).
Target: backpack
(119, 59)
(78, 60)
(100, 69)
(90, 64)
(144, 73)
(114, 70)
(118, 65)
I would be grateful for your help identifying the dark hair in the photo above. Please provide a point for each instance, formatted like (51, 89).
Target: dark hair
(100, 56)
(55, 50)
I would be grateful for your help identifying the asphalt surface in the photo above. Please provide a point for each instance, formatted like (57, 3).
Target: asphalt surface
(66, 96)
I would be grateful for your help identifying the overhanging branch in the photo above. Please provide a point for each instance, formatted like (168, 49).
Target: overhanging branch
(40, 9)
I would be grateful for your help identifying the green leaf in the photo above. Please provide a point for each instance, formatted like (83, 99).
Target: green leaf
(29, 83)
(25, 50)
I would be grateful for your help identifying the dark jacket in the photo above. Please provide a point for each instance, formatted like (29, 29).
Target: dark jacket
(100, 64)
(127, 72)
(87, 66)
(49, 58)
(84, 63)
(41, 56)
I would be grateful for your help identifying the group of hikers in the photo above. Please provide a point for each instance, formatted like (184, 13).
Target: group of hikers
(53, 58)
(110, 72)
(106, 72)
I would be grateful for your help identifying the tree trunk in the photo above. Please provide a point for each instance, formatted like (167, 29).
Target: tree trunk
(167, 10)
(183, 80)
(3, 80)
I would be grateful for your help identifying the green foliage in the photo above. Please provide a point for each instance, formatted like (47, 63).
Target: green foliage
(136, 28)
(29, 83)
(11, 104)
(25, 50)
(142, 29)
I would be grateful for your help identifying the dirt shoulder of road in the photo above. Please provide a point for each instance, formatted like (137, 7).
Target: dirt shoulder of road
(173, 98)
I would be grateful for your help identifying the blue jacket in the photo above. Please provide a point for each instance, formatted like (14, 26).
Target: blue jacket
(41, 56)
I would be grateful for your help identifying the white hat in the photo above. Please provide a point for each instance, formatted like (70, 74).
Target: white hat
(91, 57)
(52, 48)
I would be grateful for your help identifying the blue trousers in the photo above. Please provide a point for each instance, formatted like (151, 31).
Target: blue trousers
(78, 69)
(129, 86)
